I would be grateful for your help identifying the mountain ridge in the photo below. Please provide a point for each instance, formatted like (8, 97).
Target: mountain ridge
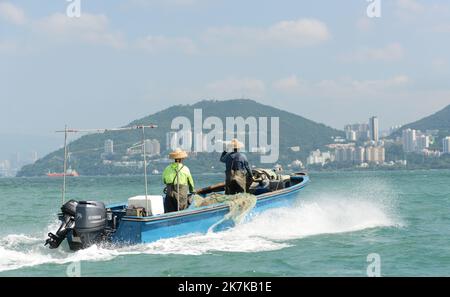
(295, 130)
(439, 120)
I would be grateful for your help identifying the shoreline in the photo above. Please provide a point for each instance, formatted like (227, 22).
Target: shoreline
(347, 170)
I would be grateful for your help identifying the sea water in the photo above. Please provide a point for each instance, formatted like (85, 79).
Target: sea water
(337, 221)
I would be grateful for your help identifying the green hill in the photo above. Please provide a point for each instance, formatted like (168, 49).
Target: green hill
(86, 151)
(437, 121)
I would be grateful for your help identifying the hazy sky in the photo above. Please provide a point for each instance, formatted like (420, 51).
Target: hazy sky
(125, 59)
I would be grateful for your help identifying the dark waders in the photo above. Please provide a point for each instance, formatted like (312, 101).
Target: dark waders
(235, 181)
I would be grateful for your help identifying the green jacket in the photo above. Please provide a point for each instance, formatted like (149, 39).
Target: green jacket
(184, 175)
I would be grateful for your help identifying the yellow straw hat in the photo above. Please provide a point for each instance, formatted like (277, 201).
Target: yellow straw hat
(236, 144)
(178, 154)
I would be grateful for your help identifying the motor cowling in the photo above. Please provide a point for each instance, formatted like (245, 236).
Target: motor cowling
(90, 224)
(90, 216)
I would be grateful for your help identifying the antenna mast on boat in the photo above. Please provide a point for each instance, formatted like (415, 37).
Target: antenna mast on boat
(145, 167)
(66, 131)
(65, 166)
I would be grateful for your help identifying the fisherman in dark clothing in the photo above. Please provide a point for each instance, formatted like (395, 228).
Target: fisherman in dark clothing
(238, 175)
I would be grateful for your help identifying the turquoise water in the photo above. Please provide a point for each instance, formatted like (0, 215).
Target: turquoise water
(338, 220)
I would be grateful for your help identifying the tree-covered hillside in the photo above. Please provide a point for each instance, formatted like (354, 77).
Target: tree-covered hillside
(85, 152)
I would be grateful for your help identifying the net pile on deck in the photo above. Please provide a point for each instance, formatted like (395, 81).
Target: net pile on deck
(240, 204)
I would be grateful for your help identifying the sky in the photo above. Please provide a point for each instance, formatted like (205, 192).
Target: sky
(125, 59)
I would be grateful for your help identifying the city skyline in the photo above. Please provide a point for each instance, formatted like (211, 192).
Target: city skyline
(412, 141)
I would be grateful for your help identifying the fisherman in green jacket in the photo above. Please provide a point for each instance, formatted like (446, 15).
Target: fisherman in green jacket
(178, 180)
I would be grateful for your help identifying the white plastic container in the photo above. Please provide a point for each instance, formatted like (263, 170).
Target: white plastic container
(155, 203)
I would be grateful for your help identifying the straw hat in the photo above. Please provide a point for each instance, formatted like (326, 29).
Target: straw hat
(178, 154)
(236, 144)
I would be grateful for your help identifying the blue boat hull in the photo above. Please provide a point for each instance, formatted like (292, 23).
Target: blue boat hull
(135, 230)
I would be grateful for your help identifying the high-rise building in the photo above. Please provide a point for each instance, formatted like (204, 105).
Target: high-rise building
(360, 127)
(361, 132)
(446, 145)
(340, 155)
(109, 147)
(409, 140)
(375, 154)
(156, 147)
(34, 157)
(148, 147)
(381, 154)
(152, 147)
(349, 154)
(374, 129)
(422, 142)
(5, 168)
(369, 154)
(350, 135)
(315, 157)
(359, 154)
(345, 154)
(415, 141)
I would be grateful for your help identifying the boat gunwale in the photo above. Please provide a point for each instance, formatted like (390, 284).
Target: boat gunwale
(214, 208)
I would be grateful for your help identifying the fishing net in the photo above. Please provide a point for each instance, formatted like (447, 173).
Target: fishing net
(240, 204)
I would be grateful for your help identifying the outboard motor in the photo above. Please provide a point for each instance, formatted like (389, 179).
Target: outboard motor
(68, 222)
(85, 219)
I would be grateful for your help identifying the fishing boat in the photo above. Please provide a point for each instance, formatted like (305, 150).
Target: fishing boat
(141, 219)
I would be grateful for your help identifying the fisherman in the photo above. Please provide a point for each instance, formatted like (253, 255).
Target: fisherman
(238, 175)
(178, 180)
